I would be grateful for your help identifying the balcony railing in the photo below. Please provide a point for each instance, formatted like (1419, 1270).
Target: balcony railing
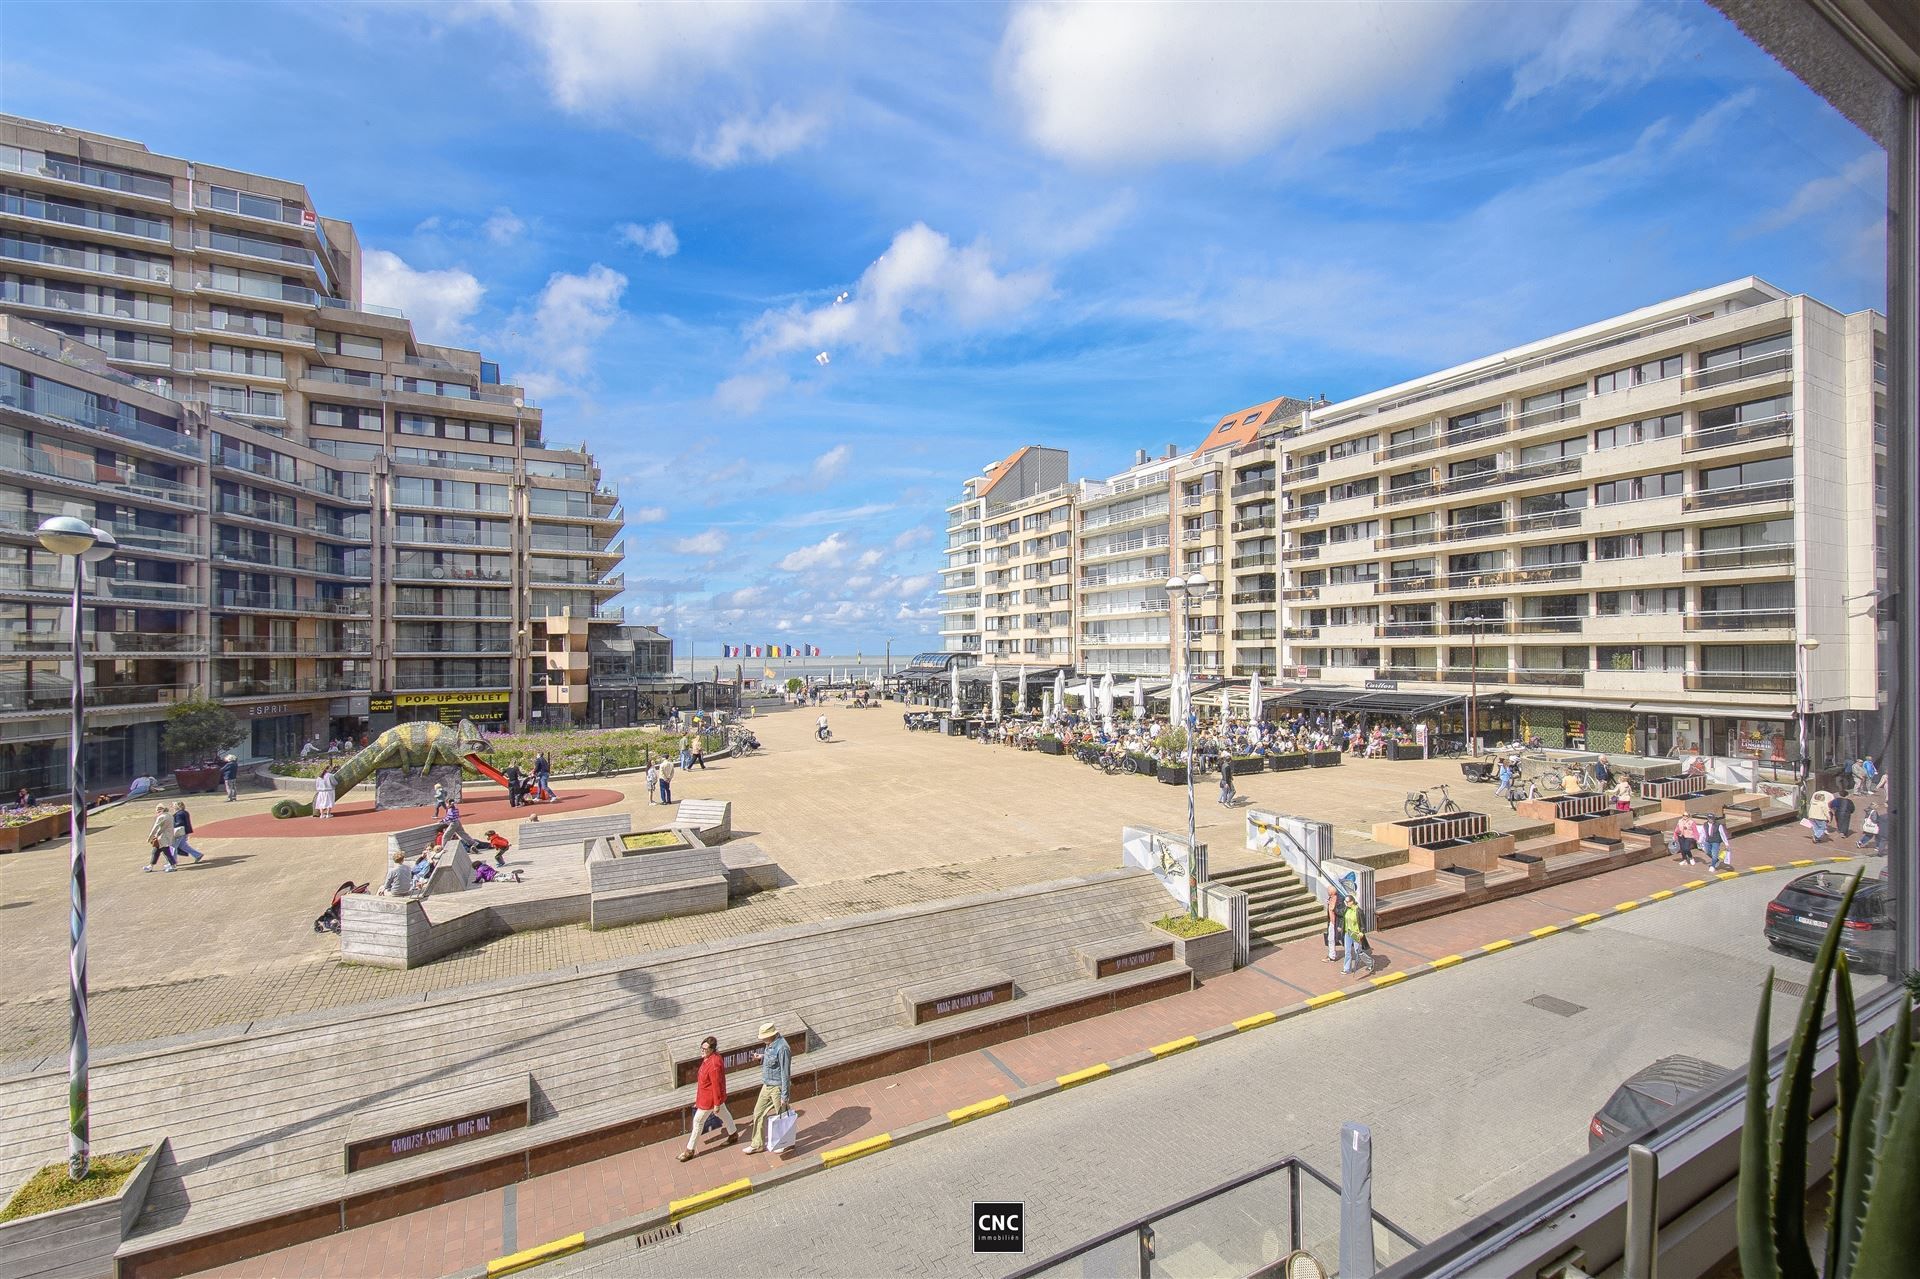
(100, 261)
(1253, 523)
(1300, 515)
(104, 643)
(1779, 426)
(439, 644)
(118, 480)
(1409, 674)
(451, 679)
(1126, 546)
(55, 698)
(1409, 448)
(82, 410)
(292, 563)
(1294, 593)
(1294, 554)
(1259, 559)
(1412, 582)
(455, 537)
(51, 579)
(1301, 633)
(1759, 619)
(1252, 488)
(1404, 630)
(230, 600)
(1734, 557)
(1266, 633)
(1472, 675)
(1551, 677)
(284, 687)
(1547, 625)
(1254, 597)
(282, 646)
(1771, 365)
(1739, 682)
(1738, 495)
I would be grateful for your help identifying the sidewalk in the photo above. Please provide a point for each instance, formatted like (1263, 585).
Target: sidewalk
(470, 1232)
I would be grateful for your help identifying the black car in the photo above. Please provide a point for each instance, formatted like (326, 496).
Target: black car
(1798, 918)
(1648, 1095)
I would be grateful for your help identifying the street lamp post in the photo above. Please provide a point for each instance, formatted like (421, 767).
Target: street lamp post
(1803, 704)
(68, 535)
(1182, 589)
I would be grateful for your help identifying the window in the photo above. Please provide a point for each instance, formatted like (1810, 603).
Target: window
(1639, 374)
(1665, 484)
(1670, 599)
(1759, 533)
(1636, 657)
(1479, 418)
(351, 416)
(1752, 597)
(1553, 450)
(1552, 406)
(1772, 409)
(1762, 357)
(1559, 553)
(1347, 448)
(241, 359)
(1626, 546)
(1411, 436)
(350, 344)
(1410, 480)
(1746, 474)
(250, 205)
(1553, 657)
(1615, 491)
(1476, 562)
(1349, 574)
(1552, 503)
(1473, 466)
(1354, 532)
(1484, 513)
(1555, 606)
(1357, 488)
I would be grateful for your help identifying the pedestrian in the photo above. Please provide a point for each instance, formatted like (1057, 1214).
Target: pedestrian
(160, 837)
(516, 785)
(1505, 789)
(1819, 813)
(776, 1085)
(182, 827)
(1603, 773)
(1227, 797)
(1623, 796)
(1869, 828)
(1335, 909)
(324, 788)
(710, 1097)
(399, 879)
(699, 752)
(1842, 809)
(230, 776)
(439, 800)
(542, 771)
(1871, 773)
(653, 781)
(666, 780)
(1718, 844)
(686, 753)
(1355, 938)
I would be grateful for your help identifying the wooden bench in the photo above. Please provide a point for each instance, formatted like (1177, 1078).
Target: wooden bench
(412, 841)
(572, 830)
(739, 1045)
(645, 902)
(617, 874)
(748, 868)
(960, 993)
(1116, 955)
(711, 819)
(434, 1120)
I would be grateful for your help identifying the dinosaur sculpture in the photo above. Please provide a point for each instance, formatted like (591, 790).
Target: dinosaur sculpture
(421, 744)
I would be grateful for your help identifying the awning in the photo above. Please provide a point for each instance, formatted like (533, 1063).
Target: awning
(1320, 697)
(1714, 712)
(1411, 703)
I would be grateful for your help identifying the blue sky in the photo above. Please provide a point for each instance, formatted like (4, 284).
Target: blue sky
(1097, 228)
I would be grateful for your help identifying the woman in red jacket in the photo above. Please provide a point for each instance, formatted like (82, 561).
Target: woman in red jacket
(710, 1097)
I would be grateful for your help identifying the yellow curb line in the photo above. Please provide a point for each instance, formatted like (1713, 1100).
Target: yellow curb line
(1695, 883)
(1258, 1019)
(858, 1150)
(1492, 946)
(1548, 931)
(1804, 861)
(706, 1199)
(1448, 961)
(1622, 907)
(978, 1110)
(1171, 1047)
(1660, 895)
(1580, 920)
(1331, 997)
(534, 1256)
(1755, 870)
(1387, 979)
(1728, 874)
(1079, 1077)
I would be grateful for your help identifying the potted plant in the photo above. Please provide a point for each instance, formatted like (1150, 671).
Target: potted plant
(1204, 945)
(1049, 744)
(1322, 759)
(1244, 764)
(1144, 765)
(198, 729)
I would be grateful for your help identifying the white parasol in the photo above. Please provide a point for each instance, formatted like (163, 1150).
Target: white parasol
(954, 672)
(1106, 702)
(1253, 700)
(1060, 692)
(1020, 694)
(996, 694)
(1139, 699)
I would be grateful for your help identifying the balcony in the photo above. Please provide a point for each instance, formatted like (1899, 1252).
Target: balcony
(237, 601)
(1265, 634)
(87, 175)
(289, 562)
(1774, 364)
(102, 644)
(456, 537)
(1534, 523)
(1738, 495)
(286, 515)
(1758, 619)
(1412, 582)
(1724, 559)
(1259, 559)
(1531, 575)
(1473, 676)
(1551, 677)
(315, 684)
(454, 680)
(1410, 674)
(1265, 670)
(1298, 593)
(1253, 488)
(1406, 493)
(407, 568)
(406, 646)
(14, 700)
(283, 470)
(1739, 682)
(283, 646)
(1301, 633)
(1115, 519)
(49, 579)
(1409, 448)
(93, 261)
(1126, 546)
(1405, 630)
(1199, 501)
(258, 250)
(1295, 554)
(115, 480)
(1547, 415)
(1405, 541)
(1547, 625)
(1254, 597)
(1300, 515)
(1778, 427)
(244, 326)
(1254, 523)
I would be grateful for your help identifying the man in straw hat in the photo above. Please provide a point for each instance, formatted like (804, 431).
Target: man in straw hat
(776, 1084)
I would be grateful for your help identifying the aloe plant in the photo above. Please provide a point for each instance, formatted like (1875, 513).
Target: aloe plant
(1873, 1223)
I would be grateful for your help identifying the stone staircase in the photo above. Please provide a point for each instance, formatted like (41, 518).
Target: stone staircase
(1279, 907)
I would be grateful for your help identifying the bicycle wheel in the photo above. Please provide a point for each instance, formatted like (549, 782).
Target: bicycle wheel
(1128, 767)
(1414, 806)
(1449, 807)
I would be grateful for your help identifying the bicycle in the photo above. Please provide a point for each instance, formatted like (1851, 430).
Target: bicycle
(1118, 764)
(1418, 805)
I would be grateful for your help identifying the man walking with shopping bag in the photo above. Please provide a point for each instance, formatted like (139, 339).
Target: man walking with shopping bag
(772, 1111)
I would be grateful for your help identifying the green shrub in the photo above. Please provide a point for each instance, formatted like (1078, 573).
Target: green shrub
(198, 729)
(1181, 926)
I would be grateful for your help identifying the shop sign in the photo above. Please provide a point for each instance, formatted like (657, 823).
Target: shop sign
(380, 702)
(448, 699)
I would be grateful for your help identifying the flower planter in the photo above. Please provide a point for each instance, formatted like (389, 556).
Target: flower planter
(1050, 747)
(1245, 764)
(1144, 765)
(1396, 751)
(1209, 956)
(37, 831)
(80, 1240)
(1176, 774)
(1322, 759)
(205, 777)
(1286, 763)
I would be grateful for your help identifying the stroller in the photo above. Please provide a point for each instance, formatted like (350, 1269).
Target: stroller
(329, 919)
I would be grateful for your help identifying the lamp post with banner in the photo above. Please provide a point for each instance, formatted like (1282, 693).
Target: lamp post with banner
(1183, 589)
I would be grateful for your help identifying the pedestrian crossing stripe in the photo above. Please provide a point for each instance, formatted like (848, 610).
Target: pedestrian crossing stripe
(706, 1199)
(1331, 997)
(1174, 1046)
(534, 1256)
(858, 1150)
(1502, 944)
(1448, 961)
(1585, 919)
(1082, 1076)
(1660, 895)
(978, 1109)
(1258, 1019)
(1387, 979)
(1548, 931)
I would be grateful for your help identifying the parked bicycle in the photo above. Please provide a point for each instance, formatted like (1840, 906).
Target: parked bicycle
(1419, 805)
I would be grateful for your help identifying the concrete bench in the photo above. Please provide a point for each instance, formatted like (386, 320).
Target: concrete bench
(646, 902)
(1116, 955)
(412, 841)
(621, 873)
(433, 1120)
(960, 993)
(739, 1046)
(572, 830)
(711, 819)
(748, 868)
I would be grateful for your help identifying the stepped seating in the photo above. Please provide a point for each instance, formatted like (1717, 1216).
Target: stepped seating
(572, 830)
(1279, 906)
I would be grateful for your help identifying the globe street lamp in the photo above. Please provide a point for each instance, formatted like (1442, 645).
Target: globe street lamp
(69, 536)
(1183, 589)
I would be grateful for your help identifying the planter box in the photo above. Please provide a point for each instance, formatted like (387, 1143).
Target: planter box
(1323, 759)
(1051, 748)
(194, 780)
(1145, 764)
(37, 831)
(1245, 764)
(1397, 751)
(1209, 956)
(1176, 775)
(1286, 763)
(77, 1242)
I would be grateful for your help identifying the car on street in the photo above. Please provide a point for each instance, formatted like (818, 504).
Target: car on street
(1798, 919)
(1648, 1094)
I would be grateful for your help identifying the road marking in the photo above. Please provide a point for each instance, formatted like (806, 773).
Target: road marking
(859, 1149)
(534, 1256)
(1728, 874)
(1695, 883)
(678, 1208)
(1548, 931)
(1623, 907)
(1584, 919)
(1258, 1019)
(1502, 944)
(1173, 1046)
(1331, 997)
(1082, 1076)
(1755, 870)
(1804, 861)
(978, 1109)
(1448, 961)
(1388, 979)
(1660, 894)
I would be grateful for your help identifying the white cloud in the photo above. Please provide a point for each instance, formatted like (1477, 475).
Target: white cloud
(656, 238)
(742, 598)
(745, 392)
(572, 314)
(836, 515)
(1109, 84)
(503, 228)
(438, 302)
(913, 537)
(921, 277)
(647, 515)
(764, 137)
(868, 559)
(824, 554)
(711, 542)
(1862, 180)
(919, 584)
(830, 464)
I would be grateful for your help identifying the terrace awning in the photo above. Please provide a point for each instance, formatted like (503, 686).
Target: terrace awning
(1406, 704)
(1317, 697)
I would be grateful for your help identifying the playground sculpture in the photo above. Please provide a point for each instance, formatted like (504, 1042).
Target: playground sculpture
(420, 745)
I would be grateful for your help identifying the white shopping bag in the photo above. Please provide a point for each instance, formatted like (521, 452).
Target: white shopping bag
(780, 1130)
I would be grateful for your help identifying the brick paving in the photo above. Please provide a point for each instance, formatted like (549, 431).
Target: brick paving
(469, 1232)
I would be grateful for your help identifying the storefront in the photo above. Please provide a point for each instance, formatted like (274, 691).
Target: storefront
(487, 708)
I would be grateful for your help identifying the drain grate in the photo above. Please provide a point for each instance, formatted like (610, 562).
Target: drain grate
(1786, 987)
(657, 1234)
(1558, 1007)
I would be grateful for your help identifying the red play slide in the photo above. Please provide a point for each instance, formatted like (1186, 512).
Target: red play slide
(486, 770)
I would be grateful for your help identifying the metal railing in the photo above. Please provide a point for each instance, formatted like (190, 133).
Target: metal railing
(1720, 559)
(1738, 495)
(1714, 437)
(1739, 682)
(1771, 364)
(1758, 619)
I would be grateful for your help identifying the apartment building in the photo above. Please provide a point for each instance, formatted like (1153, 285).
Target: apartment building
(1658, 531)
(325, 522)
(1007, 586)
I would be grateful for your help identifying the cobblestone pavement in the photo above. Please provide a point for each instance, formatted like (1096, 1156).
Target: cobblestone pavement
(879, 818)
